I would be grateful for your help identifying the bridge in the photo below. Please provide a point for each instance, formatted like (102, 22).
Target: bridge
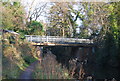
(58, 41)
(80, 48)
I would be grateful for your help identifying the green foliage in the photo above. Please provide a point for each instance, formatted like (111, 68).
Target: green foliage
(22, 36)
(35, 28)
(60, 20)
(27, 53)
(10, 70)
(13, 16)
(110, 50)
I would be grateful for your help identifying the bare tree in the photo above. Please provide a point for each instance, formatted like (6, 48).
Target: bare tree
(29, 9)
(37, 12)
(34, 10)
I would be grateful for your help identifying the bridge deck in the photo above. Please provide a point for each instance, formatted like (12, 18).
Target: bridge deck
(57, 41)
(58, 44)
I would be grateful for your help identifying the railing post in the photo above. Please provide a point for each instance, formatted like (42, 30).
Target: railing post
(30, 38)
(47, 38)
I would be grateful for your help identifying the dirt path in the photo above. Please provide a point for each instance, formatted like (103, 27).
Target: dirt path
(27, 74)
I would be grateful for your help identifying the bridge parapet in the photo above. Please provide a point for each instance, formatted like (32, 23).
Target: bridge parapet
(55, 39)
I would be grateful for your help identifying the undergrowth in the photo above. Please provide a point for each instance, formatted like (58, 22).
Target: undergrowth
(50, 69)
(17, 55)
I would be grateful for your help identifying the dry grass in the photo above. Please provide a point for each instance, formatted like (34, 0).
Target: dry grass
(50, 69)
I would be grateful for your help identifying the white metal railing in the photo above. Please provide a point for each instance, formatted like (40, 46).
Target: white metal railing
(53, 39)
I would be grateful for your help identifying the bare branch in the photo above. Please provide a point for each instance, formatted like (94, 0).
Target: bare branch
(37, 12)
(30, 8)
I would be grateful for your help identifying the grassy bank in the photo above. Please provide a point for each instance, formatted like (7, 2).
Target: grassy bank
(17, 56)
